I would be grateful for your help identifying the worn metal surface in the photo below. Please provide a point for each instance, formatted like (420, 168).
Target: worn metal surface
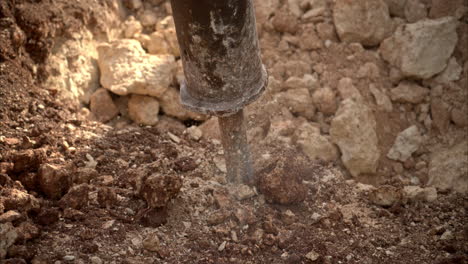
(236, 150)
(220, 55)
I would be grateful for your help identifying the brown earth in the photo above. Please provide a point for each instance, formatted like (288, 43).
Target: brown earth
(95, 208)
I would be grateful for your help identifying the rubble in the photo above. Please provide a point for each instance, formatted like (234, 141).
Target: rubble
(421, 49)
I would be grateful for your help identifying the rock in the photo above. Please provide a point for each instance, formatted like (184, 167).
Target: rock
(367, 21)
(9, 216)
(368, 70)
(73, 67)
(381, 98)
(443, 8)
(28, 160)
(416, 193)
(325, 100)
(102, 106)
(347, 90)
(448, 168)
(281, 180)
(409, 92)
(148, 18)
(84, 175)
(440, 114)
(386, 196)
(53, 180)
(170, 104)
(312, 255)
(194, 132)
(76, 198)
(310, 40)
(143, 109)
(297, 68)
(326, 31)
(151, 243)
(354, 131)
(19, 200)
(264, 9)
(451, 73)
(406, 143)
(27, 231)
(242, 192)
(217, 217)
(210, 129)
(167, 28)
(8, 235)
(285, 22)
(95, 260)
(421, 49)
(158, 44)
(132, 27)
(396, 7)
(133, 4)
(288, 217)
(415, 11)
(460, 116)
(314, 145)
(48, 216)
(298, 101)
(313, 13)
(126, 68)
(447, 235)
(158, 190)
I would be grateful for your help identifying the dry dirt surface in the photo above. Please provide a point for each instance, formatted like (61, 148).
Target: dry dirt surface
(76, 190)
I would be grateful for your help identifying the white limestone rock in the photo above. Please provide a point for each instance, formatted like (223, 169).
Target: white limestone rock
(421, 49)
(406, 143)
(366, 21)
(126, 68)
(354, 131)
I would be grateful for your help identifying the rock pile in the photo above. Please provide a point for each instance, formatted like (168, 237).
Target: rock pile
(379, 86)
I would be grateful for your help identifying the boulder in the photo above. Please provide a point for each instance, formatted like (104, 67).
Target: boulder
(126, 68)
(406, 143)
(421, 49)
(448, 168)
(314, 145)
(409, 92)
(143, 109)
(102, 106)
(366, 21)
(353, 129)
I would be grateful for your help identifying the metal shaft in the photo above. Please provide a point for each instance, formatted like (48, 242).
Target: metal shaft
(236, 150)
